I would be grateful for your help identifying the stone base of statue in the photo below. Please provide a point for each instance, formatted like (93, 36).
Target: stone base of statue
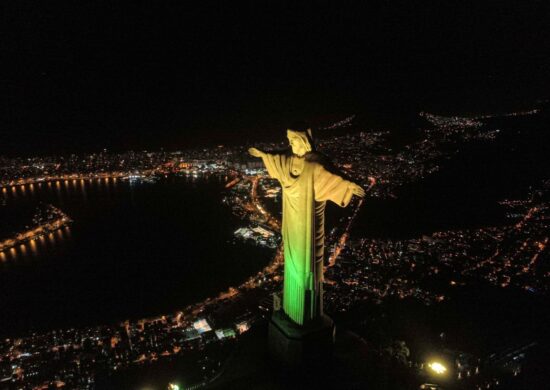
(294, 346)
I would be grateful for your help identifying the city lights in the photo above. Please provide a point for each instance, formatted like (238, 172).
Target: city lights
(359, 268)
(46, 221)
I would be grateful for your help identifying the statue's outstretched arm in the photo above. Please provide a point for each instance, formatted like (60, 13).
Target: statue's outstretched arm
(333, 187)
(274, 163)
(256, 152)
(357, 190)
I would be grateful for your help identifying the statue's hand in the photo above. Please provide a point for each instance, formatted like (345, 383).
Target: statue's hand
(255, 152)
(356, 189)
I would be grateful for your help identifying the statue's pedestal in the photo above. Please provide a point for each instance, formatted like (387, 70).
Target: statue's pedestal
(294, 346)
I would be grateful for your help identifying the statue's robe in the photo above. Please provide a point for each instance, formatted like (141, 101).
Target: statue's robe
(304, 198)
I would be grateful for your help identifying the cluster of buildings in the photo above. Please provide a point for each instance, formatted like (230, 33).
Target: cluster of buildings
(262, 228)
(508, 255)
(374, 154)
(71, 358)
(258, 235)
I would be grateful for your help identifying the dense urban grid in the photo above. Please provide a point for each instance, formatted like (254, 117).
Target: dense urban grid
(358, 269)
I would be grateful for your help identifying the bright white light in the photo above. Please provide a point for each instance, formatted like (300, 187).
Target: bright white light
(437, 367)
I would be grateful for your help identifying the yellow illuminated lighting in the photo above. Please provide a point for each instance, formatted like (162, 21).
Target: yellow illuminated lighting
(305, 187)
(172, 386)
(33, 246)
(438, 368)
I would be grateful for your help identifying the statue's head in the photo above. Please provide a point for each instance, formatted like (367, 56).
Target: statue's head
(300, 141)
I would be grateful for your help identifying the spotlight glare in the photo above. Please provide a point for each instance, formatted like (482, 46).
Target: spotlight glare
(437, 367)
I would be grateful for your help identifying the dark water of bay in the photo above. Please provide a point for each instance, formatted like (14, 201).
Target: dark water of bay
(465, 191)
(134, 250)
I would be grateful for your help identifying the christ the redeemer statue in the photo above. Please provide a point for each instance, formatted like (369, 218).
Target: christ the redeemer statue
(307, 184)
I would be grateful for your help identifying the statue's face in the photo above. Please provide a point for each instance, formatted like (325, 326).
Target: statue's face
(297, 145)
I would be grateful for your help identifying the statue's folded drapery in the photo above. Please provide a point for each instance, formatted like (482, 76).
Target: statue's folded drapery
(304, 200)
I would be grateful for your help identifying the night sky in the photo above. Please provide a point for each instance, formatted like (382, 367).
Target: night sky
(121, 75)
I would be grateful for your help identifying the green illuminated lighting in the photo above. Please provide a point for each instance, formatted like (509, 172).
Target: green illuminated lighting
(307, 186)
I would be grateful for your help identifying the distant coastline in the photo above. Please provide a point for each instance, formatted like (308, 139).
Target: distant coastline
(55, 220)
